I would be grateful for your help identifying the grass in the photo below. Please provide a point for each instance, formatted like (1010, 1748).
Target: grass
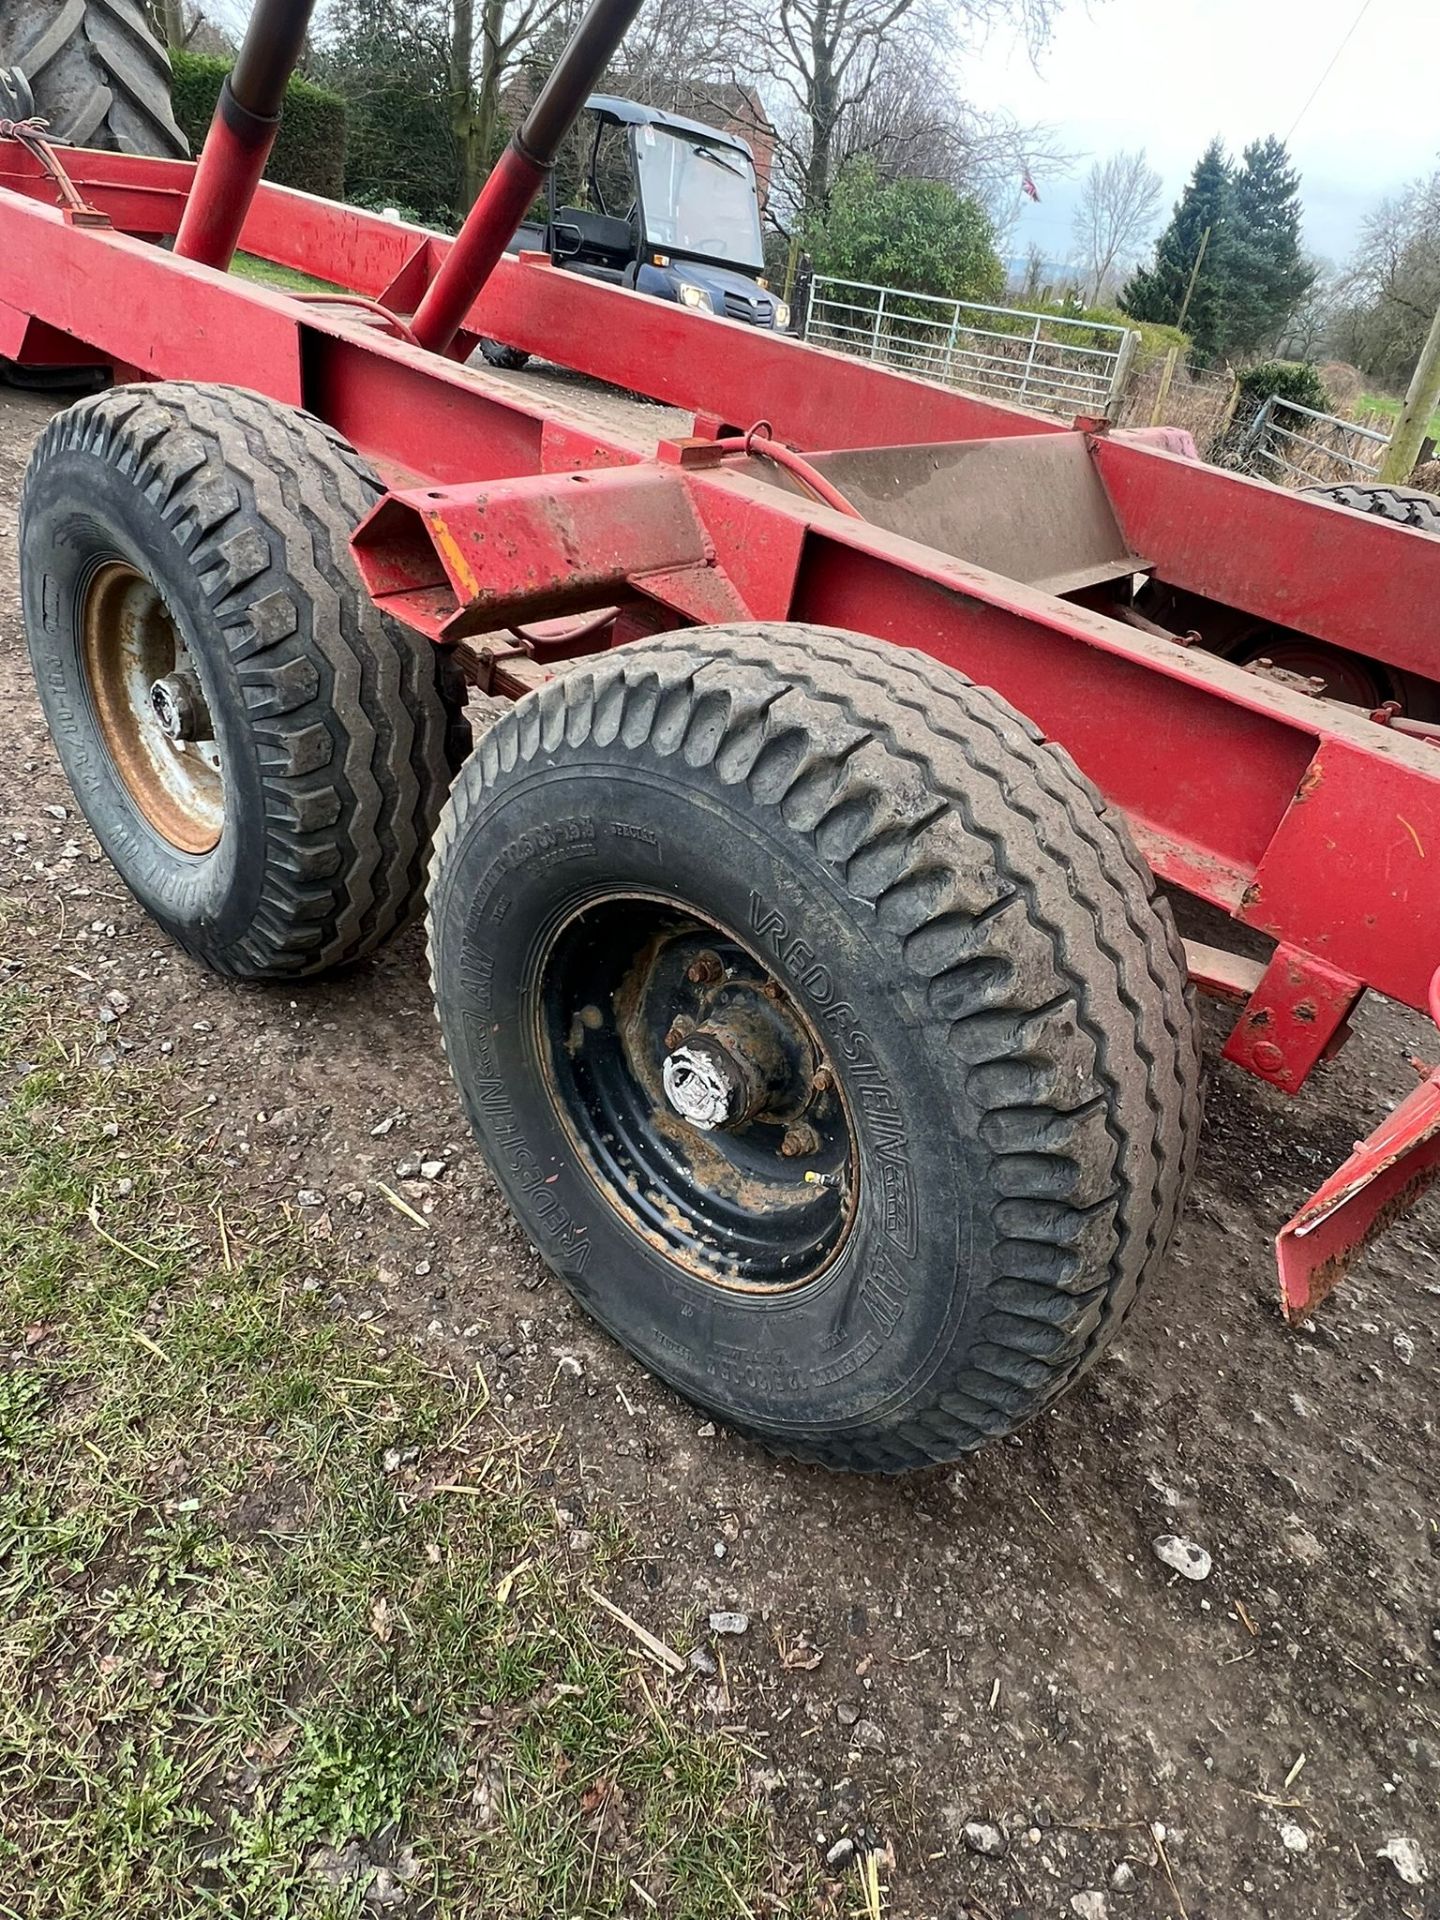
(247, 1660)
(1389, 406)
(250, 267)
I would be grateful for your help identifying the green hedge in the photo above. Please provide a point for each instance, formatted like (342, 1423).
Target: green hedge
(310, 147)
(1285, 380)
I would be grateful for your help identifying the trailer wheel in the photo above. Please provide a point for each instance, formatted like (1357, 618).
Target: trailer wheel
(508, 359)
(261, 752)
(823, 1029)
(1406, 505)
(96, 72)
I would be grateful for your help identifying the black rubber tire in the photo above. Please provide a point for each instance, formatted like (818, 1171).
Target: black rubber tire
(39, 378)
(338, 734)
(1405, 505)
(946, 897)
(17, 102)
(508, 359)
(97, 72)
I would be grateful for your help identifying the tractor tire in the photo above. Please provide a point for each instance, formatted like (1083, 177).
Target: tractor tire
(97, 73)
(824, 1030)
(508, 359)
(1405, 505)
(260, 751)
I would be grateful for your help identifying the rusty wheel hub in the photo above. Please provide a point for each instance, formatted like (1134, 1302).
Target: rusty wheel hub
(151, 709)
(698, 1094)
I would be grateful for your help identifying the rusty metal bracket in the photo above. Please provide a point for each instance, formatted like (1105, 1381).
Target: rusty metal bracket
(1383, 1178)
(1296, 1017)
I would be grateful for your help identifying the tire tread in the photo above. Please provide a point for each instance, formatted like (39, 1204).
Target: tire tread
(849, 711)
(262, 499)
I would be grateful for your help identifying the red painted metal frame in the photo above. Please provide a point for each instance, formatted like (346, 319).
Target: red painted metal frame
(1383, 1177)
(1301, 819)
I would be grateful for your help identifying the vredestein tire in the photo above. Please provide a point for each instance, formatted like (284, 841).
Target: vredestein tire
(898, 863)
(97, 72)
(208, 527)
(1407, 506)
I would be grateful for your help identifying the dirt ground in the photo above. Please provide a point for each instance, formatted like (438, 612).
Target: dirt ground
(998, 1642)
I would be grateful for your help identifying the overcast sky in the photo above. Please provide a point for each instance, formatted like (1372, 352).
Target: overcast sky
(1167, 74)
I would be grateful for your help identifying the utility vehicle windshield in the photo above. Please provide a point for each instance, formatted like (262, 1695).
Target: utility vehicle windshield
(698, 197)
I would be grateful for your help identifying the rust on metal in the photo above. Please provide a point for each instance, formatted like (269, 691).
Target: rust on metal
(129, 647)
(1296, 1015)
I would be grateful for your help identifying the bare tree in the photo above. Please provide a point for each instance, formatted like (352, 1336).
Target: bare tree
(487, 43)
(406, 64)
(1115, 216)
(1389, 293)
(914, 122)
(818, 61)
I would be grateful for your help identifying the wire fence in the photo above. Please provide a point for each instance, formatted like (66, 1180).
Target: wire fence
(1039, 360)
(1164, 390)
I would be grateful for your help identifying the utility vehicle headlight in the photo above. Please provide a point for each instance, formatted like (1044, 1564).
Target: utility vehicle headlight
(782, 315)
(696, 298)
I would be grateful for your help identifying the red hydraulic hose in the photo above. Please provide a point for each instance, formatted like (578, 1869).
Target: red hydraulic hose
(758, 443)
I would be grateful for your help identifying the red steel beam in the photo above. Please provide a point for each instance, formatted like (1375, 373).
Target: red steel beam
(1309, 823)
(1366, 584)
(1269, 804)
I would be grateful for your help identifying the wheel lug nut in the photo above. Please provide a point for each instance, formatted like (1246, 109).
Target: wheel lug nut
(823, 1081)
(800, 1141)
(704, 970)
(680, 1029)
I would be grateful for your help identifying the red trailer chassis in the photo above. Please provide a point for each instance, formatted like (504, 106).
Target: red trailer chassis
(1300, 819)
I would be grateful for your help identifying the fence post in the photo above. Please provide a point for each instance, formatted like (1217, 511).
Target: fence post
(1414, 421)
(1120, 379)
(1250, 447)
(1167, 380)
(1030, 357)
(950, 345)
(875, 336)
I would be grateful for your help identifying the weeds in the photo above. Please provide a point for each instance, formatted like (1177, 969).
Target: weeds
(249, 1665)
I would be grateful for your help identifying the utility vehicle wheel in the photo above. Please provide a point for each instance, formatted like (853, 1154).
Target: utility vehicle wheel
(823, 1029)
(261, 753)
(96, 71)
(510, 359)
(1407, 505)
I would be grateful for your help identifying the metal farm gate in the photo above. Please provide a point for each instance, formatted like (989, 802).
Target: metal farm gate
(1040, 360)
(1296, 446)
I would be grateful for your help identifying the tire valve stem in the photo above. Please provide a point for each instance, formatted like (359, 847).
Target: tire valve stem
(813, 1179)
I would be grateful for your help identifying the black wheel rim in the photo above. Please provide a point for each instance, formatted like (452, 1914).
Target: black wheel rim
(700, 1099)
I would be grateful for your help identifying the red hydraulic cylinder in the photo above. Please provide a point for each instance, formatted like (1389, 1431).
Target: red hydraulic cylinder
(247, 117)
(517, 178)
(514, 181)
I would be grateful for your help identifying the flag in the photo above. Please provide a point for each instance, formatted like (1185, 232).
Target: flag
(1028, 186)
